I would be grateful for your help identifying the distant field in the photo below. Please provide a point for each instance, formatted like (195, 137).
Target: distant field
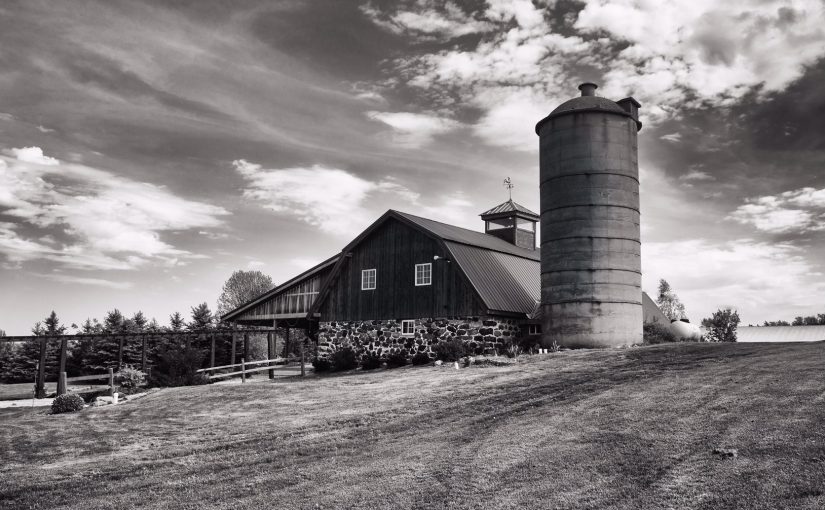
(631, 428)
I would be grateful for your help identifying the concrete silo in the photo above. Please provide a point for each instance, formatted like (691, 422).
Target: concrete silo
(591, 274)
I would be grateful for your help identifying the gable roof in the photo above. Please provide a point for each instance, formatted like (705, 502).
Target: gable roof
(279, 288)
(469, 237)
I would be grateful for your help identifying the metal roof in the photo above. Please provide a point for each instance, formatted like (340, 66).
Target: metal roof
(470, 237)
(505, 282)
(780, 333)
(508, 207)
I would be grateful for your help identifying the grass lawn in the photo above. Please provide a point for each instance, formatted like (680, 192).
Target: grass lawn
(631, 428)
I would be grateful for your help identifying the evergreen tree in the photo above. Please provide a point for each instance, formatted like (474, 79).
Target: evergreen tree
(91, 327)
(153, 326)
(20, 362)
(139, 321)
(201, 318)
(669, 303)
(176, 322)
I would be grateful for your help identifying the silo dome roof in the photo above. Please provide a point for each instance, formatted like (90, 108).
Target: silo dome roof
(588, 102)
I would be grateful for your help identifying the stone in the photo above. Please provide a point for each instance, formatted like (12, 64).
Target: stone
(489, 323)
(438, 363)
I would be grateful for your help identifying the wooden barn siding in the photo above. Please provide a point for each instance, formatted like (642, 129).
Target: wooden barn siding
(394, 250)
(286, 302)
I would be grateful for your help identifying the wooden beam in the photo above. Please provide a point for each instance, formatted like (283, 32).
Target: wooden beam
(143, 354)
(40, 387)
(61, 381)
(270, 353)
(212, 351)
(120, 353)
(246, 345)
(233, 348)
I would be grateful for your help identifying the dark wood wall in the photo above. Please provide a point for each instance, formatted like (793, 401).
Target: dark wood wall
(393, 250)
(291, 302)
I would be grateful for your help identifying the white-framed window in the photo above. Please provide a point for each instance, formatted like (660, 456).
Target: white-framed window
(534, 329)
(423, 274)
(368, 279)
(407, 327)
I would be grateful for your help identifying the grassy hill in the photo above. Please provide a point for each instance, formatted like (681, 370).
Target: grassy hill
(632, 428)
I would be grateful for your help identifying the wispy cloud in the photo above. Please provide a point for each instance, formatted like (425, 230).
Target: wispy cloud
(801, 210)
(95, 282)
(105, 221)
(696, 175)
(672, 137)
(413, 130)
(431, 20)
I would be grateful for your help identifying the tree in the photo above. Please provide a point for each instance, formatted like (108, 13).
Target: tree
(240, 288)
(721, 326)
(201, 318)
(139, 320)
(91, 327)
(153, 326)
(176, 322)
(669, 303)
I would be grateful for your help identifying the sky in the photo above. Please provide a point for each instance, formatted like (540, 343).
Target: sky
(150, 148)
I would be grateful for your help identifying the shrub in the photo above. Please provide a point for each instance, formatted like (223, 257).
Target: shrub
(721, 326)
(68, 403)
(344, 359)
(130, 379)
(370, 361)
(451, 350)
(397, 359)
(421, 358)
(657, 333)
(322, 364)
(178, 366)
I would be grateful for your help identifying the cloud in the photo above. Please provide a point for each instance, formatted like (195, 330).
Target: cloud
(96, 282)
(672, 137)
(432, 20)
(336, 201)
(413, 130)
(696, 175)
(105, 221)
(801, 210)
(750, 275)
(679, 55)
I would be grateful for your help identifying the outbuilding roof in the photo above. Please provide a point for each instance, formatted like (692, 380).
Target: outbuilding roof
(509, 207)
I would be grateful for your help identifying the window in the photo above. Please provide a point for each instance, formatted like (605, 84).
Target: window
(368, 279)
(423, 274)
(527, 225)
(408, 328)
(534, 329)
(500, 223)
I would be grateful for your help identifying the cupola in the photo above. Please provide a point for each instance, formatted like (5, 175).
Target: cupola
(513, 223)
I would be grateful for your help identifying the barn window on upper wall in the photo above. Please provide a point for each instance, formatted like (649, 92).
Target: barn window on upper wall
(408, 327)
(423, 274)
(368, 279)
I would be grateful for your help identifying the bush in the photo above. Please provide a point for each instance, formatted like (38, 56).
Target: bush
(130, 379)
(721, 326)
(370, 361)
(322, 364)
(178, 366)
(657, 333)
(451, 350)
(68, 403)
(420, 358)
(397, 359)
(344, 359)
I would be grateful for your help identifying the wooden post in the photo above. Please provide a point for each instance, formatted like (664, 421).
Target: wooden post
(232, 362)
(61, 384)
(120, 353)
(243, 370)
(40, 387)
(246, 345)
(270, 353)
(143, 354)
(287, 346)
(212, 352)
(111, 382)
(303, 371)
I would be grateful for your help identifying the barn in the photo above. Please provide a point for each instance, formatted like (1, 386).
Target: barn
(407, 283)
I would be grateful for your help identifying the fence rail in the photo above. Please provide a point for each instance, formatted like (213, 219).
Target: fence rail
(244, 371)
(63, 381)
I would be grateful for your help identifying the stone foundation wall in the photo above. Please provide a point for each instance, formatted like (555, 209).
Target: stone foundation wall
(484, 335)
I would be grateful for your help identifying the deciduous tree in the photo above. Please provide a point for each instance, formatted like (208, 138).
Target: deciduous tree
(240, 288)
(669, 303)
(721, 326)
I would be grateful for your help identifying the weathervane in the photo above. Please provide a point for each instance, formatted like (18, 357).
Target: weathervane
(509, 185)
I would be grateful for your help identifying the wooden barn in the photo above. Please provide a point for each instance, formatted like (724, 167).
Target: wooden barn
(407, 283)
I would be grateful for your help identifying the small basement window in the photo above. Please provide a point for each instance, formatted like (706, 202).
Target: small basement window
(534, 329)
(368, 279)
(423, 274)
(408, 327)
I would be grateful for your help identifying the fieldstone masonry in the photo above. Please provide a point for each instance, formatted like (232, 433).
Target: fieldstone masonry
(484, 335)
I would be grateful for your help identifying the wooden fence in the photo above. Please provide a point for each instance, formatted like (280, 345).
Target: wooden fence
(271, 367)
(186, 336)
(63, 382)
